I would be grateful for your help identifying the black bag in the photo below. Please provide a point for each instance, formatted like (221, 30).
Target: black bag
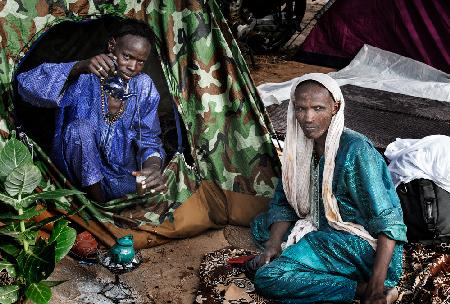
(426, 211)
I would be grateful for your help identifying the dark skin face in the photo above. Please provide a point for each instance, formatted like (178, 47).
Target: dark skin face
(130, 52)
(314, 109)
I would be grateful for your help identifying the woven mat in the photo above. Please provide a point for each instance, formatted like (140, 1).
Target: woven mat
(224, 284)
(426, 277)
(382, 116)
(426, 274)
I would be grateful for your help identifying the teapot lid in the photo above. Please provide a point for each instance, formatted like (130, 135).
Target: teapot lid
(126, 240)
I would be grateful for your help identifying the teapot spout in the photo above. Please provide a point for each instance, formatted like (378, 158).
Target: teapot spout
(126, 96)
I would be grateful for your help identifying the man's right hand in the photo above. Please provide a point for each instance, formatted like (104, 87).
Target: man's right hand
(273, 245)
(101, 65)
(272, 250)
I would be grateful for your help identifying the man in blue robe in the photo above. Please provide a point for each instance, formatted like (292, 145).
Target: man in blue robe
(102, 142)
(334, 230)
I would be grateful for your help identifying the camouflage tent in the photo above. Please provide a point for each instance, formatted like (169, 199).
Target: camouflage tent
(234, 166)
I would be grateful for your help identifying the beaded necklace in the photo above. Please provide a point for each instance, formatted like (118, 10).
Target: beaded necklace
(110, 117)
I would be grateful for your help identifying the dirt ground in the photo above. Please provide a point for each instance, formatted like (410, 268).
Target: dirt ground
(168, 273)
(275, 69)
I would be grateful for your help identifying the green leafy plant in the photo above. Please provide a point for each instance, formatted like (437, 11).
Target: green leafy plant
(26, 259)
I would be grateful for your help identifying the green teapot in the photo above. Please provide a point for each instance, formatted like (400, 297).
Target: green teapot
(123, 251)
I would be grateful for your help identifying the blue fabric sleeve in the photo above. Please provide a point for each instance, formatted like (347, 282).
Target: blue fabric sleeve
(43, 85)
(149, 141)
(370, 186)
(280, 210)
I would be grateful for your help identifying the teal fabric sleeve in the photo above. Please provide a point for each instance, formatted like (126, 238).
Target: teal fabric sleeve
(280, 210)
(372, 190)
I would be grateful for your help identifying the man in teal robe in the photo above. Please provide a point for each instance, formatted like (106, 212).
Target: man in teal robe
(331, 265)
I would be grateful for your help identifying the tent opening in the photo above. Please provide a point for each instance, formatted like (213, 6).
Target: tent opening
(71, 41)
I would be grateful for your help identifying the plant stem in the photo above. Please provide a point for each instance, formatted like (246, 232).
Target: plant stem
(22, 226)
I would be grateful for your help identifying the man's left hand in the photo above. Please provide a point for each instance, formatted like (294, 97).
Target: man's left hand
(374, 293)
(374, 296)
(154, 181)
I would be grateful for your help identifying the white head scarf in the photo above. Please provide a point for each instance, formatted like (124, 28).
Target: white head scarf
(296, 164)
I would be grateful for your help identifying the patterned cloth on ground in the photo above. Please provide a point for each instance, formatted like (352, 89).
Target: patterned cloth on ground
(426, 277)
(222, 283)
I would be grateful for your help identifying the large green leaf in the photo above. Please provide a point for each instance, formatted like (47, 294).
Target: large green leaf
(54, 194)
(23, 180)
(64, 237)
(9, 294)
(9, 267)
(29, 235)
(37, 265)
(10, 249)
(60, 202)
(13, 155)
(52, 284)
(52, 219)
(12, 230)
(38, 293)
(10, 201)
(27, 214)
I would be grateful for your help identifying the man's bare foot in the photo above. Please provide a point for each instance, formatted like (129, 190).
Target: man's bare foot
(391, 295)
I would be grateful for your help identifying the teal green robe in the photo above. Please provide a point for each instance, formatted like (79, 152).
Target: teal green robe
(327, 264)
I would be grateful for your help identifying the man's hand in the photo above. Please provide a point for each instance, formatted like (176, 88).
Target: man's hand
(154, 180)
(272, 250)
(375, 299)
(374, 293)
(101, 65)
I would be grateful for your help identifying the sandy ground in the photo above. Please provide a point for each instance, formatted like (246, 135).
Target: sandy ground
(275, 69)
(168, 273)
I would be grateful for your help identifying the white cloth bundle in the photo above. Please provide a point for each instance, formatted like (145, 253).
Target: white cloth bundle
(428, 158)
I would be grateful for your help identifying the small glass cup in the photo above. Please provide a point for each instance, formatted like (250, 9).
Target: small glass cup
(139, 180)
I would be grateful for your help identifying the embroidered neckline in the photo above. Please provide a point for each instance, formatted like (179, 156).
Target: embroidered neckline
(314, 194)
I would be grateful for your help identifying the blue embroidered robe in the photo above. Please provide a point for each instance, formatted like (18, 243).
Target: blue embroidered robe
(85, 147)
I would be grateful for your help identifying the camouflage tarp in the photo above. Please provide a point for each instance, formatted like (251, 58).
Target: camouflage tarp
(227, 128)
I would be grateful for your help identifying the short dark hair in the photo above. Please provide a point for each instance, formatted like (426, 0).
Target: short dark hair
(133, 27)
